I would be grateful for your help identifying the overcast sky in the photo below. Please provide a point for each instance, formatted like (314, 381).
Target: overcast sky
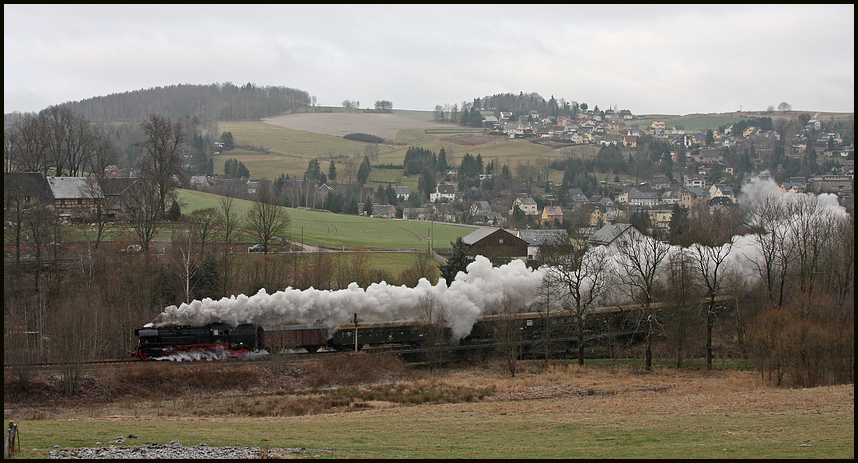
(673, 59)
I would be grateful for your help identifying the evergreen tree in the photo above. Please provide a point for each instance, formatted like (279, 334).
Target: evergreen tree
(313, 171)
(426, 183)
(175, 212)
(641, 221)
(226, 139)
(458, 262)
(351, 206)
(363, 171)
(679, 226)
(441, 162)
(332, 171)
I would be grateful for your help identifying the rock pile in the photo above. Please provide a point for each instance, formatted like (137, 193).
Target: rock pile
(173, 450)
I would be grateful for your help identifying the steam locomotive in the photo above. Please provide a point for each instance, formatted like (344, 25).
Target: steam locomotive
(529, 330)
(214, 338)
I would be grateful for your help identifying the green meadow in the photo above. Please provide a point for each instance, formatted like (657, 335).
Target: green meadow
(341, 230)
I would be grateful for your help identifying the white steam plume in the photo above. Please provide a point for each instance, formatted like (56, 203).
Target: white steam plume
(472, 294)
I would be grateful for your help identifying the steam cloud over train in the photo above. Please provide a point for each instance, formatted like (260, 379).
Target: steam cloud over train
(219, 340)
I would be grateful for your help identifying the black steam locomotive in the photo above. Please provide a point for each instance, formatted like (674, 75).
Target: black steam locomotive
(214, 338)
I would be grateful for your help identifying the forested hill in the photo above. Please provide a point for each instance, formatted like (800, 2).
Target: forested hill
(215, 102)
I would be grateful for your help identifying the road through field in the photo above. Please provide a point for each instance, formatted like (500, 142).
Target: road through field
(379, 124)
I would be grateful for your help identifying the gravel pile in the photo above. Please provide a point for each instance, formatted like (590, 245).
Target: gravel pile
(173, 450)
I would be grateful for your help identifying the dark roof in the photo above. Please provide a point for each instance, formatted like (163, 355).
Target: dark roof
(115, 185)
(481, 233)
(608, 233)
(540, 237)
(27, 184)
(445, 188)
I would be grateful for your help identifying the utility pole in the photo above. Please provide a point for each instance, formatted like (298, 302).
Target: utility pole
(356, 332)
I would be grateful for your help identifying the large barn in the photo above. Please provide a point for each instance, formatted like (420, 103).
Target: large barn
(495, 242)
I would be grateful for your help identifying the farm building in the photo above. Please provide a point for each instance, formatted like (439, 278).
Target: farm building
(495, 242)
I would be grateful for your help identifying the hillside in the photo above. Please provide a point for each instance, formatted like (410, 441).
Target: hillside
(334, 231)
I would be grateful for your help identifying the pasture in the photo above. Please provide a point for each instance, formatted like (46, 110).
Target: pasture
(556, 411)
(335, 231)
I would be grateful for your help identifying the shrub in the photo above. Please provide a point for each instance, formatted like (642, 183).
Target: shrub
(364, 137)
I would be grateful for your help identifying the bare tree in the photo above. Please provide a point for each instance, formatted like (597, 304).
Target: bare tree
(26, 146)
(39, 222)
(433, 315)
(811, 227)
(184, 242)
(680, 289)
(639, 259)
(228, 221)
(581, 272)
(266, 220)
(203, 222)
(100, 207)
(714, 232)
(547, 294)
(766, 220)
(144, 210)
(162, 160)
(840, 260)
(55, 119)
(508, 333)
(104, 153)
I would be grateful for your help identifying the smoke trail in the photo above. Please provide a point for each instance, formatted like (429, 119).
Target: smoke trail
(473, 293)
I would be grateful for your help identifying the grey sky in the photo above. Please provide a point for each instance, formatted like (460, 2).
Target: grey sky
(674, 59)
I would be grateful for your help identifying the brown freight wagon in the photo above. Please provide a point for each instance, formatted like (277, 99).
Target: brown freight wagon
(309, 337)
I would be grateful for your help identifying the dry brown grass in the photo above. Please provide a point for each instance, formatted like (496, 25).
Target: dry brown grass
(348, 382)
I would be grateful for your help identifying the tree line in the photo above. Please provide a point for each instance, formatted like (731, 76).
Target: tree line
(216, 102)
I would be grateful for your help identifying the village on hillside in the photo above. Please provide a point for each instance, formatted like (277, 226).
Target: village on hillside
(716, 164)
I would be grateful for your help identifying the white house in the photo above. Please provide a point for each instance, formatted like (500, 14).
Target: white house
(443, 191)
(526, 204)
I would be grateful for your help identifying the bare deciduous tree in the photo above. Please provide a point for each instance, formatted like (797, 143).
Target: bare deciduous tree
(680, 291)
(714, 244)
(144, 210)
(266, 220)
(203, 224)
(581, 273)
(433, 315)
(639, 259)
(162, 160)
(228, 221)
(508, 333)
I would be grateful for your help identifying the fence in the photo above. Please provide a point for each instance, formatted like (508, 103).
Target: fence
(9, 441)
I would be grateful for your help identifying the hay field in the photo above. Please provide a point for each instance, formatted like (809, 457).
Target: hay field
(338, 124)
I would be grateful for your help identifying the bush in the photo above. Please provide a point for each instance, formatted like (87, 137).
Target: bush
(364, 137)
(804, 348)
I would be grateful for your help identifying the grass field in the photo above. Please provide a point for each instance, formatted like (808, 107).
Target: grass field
(559, 411)
(338, 230)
